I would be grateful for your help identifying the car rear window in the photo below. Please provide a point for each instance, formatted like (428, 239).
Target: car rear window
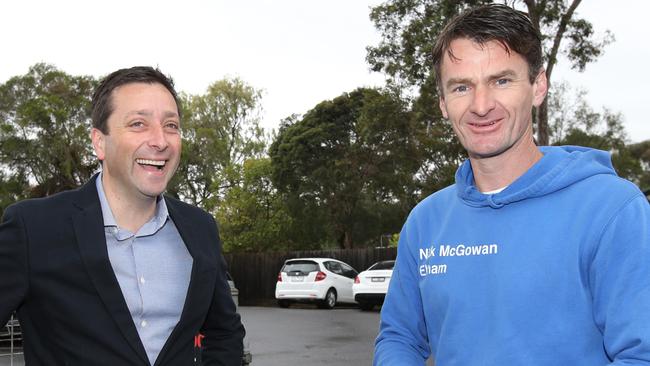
(382, 265)
(300, 266)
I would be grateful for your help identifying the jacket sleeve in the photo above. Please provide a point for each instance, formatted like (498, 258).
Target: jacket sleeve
(13, 263)
(619, 278)
(402, 336)
(223, 330)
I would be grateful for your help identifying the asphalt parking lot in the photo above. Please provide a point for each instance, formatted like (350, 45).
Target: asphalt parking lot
(305, 335)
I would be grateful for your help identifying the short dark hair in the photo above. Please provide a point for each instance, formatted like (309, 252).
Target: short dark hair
(493, 22)
(102, 97)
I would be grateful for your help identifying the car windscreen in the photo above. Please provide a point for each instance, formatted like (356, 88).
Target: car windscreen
(300, 267)
(382, 265)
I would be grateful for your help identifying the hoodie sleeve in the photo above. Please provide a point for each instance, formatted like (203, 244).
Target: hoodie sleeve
(620, 283)
(402, 336)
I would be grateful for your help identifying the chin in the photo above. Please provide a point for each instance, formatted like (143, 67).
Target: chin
(485, 153)
(152, 191)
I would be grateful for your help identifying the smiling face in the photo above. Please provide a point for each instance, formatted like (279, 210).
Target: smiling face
(142, 149)
(488, 97)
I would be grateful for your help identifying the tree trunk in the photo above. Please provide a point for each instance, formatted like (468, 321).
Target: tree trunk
(347, 240)
(540, 117)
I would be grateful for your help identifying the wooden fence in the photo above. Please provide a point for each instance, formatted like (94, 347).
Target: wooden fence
(255, 274)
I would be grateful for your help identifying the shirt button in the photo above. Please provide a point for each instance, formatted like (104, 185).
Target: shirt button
(141, 279)
(143, 323)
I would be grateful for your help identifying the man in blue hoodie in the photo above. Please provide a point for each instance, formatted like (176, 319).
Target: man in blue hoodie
(536, 255)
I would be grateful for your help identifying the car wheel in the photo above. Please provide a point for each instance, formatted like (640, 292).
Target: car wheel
(366, 306)
(330, 300)
(284, 303)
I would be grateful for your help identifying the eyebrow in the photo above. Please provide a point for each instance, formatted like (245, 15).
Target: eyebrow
(455, 81)
(148, 113)
(504, 73)
(499, 75)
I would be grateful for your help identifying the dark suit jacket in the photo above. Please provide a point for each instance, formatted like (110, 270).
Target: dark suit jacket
(55, 271)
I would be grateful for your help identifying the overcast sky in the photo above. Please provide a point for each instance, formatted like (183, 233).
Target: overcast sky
(300, 52)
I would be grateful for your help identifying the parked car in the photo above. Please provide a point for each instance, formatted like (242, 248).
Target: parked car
(325, 281)
(371, 285)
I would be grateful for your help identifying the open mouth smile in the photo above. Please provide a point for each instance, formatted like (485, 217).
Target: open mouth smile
(484, 124)
(158, 164)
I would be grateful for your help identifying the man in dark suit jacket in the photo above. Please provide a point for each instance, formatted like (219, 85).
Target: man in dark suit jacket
(114, 273)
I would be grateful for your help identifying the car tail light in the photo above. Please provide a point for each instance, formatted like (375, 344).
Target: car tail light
(280, 277)
(356, 280)
(320, 276)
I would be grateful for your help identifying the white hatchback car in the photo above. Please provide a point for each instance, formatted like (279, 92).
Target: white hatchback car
(325, 281)
(371, 285)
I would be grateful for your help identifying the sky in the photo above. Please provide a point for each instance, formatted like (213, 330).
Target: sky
(298, 52)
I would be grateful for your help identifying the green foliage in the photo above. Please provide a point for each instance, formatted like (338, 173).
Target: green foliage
(641, 152)
(12, 189)
(574, 122)
(350, 161)
(394, 240)
(408, 29)
(220, 131)
(252, 214)
(44, 127)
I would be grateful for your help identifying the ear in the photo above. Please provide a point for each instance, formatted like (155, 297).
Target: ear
(540, 88)
(443, 107)
(99, 140)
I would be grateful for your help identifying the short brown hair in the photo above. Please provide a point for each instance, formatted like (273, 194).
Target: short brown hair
(493, 22)
(102, 101)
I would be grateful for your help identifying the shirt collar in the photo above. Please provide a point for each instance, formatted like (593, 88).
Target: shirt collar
(158, 220)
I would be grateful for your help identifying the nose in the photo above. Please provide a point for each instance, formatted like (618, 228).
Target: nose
(157, 137)
(482, 101)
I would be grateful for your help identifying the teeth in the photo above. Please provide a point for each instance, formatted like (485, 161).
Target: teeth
(483, 124)
(150, 162)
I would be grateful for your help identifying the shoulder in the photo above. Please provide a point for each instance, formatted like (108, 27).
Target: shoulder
(438, 200)
(429, 213)
(50, 205)
(609, 189)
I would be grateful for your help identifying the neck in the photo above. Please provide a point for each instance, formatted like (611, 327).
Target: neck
(130, 213)
(501, 170)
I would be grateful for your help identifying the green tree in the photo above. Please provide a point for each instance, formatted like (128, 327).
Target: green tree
(220, 131)
(252, 215)
(409, 28)
(574, 122)
(44, 127)
(349, 162)
(641, 152)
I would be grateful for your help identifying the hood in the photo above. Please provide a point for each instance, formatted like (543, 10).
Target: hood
(561, 166)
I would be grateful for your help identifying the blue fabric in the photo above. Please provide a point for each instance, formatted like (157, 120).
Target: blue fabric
(553, 270)
(153, 269)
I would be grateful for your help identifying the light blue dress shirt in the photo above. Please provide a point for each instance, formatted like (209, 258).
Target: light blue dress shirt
(153, 269)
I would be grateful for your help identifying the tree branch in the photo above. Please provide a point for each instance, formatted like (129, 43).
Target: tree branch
(552, 57)
(533, 13)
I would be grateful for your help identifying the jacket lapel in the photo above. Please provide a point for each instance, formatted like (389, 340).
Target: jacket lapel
(197, 288)
(89, 230)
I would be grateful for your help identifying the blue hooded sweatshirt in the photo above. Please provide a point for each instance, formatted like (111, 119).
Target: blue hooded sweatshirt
(554, 270)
